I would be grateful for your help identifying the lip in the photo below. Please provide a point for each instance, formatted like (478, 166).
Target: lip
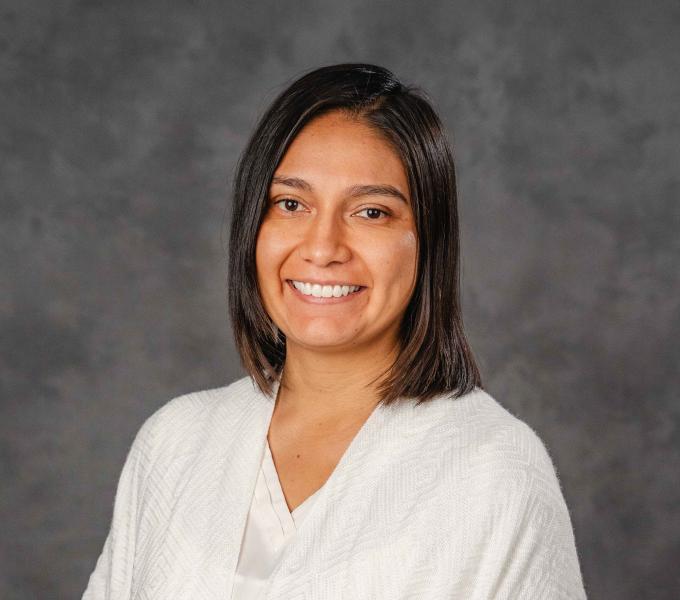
(331, 300)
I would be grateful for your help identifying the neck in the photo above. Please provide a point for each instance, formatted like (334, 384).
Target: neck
(326, 386)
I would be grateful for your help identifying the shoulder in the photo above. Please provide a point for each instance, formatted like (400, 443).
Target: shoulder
(183, 421)
(503, 503)
(498, 473)
(496, 450)
(199, 404)
(500, 433)
(514, 491)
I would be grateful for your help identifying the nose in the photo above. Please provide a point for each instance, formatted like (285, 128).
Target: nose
(325, 240)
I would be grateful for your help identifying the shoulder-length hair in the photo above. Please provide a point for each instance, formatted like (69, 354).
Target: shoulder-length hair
(434, 356)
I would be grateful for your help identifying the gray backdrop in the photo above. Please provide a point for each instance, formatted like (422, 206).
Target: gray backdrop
(120, 126)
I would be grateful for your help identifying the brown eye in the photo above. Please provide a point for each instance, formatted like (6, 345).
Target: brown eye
(373, 214)
(290, 204)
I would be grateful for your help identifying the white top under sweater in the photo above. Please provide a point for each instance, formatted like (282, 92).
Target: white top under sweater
(269, 528)
(455, 498)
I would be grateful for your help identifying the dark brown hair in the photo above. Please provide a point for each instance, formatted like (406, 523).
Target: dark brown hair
(434, 356)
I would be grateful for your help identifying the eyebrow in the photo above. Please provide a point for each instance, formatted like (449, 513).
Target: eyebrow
(379, 189)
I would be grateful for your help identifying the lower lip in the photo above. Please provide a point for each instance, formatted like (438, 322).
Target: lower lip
(331, 300)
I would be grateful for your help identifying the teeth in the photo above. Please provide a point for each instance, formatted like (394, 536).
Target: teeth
(325, 291)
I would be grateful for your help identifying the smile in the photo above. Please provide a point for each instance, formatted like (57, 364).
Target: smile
(325, 294)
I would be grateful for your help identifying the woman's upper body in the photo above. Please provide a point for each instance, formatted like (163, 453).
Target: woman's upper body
(344, 301)
(453, 498)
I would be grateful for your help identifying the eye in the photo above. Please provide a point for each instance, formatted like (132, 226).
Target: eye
(290, 204)
(373, 213)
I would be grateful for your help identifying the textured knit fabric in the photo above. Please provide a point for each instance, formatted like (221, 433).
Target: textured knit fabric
(455, 498)
(269, 528)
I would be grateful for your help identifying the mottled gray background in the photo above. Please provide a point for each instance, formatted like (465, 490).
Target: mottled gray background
(120, 125)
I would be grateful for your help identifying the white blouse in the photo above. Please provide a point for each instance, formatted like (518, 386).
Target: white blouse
(269, 528)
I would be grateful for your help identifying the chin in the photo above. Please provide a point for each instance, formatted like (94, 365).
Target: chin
(322, 339)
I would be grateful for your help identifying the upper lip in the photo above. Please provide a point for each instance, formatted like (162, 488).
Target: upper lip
(323, 282)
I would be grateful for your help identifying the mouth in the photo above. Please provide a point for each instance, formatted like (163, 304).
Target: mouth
(319, 294)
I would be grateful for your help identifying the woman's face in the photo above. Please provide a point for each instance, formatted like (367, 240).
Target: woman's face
(339, 215)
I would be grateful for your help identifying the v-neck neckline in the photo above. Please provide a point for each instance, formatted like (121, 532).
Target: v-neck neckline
(332, 491)
(249, 414)
(273, 482)
(351, 449)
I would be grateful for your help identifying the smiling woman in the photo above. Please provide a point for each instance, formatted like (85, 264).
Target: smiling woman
(348, 178)
(360, 457)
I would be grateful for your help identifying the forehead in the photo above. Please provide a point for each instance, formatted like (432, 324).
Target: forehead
(337, 147)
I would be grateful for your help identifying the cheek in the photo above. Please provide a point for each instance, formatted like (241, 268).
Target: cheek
(396, 263)
(405, 252)
(409, 255)
(269, 250)
(408, 245)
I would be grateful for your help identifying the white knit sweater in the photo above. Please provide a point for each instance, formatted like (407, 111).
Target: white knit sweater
(450, 499)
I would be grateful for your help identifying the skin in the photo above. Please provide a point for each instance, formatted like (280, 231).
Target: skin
(325, 233)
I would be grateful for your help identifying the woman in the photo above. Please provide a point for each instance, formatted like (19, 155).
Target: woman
(360, 457)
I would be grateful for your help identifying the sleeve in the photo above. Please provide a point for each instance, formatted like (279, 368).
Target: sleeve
(531, 551)
(112, 575)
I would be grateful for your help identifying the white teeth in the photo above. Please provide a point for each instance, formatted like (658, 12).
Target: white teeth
(325, 291)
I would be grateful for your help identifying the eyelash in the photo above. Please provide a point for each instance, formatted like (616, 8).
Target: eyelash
(384, 212)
